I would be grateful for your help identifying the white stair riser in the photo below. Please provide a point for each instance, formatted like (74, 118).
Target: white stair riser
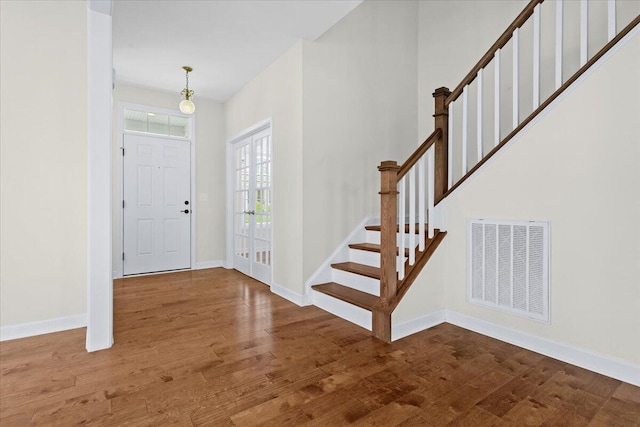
(350, 312)
(374, 237)
(364, 257)
(356, 281)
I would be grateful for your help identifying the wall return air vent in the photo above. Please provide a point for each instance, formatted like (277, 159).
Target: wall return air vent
(508, 266)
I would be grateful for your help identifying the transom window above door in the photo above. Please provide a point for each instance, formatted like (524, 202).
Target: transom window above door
(156, 123)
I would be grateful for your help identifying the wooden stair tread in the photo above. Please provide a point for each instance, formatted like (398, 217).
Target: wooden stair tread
(350, 295)
(372, 247)
(406, 228)
(361, 269)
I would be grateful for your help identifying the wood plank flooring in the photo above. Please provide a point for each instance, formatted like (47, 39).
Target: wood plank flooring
(216, 348)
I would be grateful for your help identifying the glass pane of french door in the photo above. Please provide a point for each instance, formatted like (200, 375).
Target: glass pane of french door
(241, 228)
(263, 203)
(253, 206)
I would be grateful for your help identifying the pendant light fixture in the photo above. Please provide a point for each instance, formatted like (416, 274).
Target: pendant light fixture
(186, 105)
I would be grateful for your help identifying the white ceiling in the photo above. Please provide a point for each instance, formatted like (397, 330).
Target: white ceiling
(226, 42)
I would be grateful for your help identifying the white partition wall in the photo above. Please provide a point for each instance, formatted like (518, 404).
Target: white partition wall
(100, 75)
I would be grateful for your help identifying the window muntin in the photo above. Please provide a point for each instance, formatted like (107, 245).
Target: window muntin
(156, 123)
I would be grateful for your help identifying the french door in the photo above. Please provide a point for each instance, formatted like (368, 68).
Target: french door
(252, 206)
(157, 204)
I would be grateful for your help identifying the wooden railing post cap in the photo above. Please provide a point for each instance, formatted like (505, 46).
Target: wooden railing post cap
(441, 91)
(388, 165)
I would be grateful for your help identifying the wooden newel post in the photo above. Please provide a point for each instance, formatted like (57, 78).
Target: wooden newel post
(388, 229)
(441, 115)
(381, 315)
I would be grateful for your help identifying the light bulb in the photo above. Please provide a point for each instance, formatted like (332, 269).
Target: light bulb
(187, 107)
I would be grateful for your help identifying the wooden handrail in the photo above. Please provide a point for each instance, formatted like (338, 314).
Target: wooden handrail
(545, 104)
(413, 159)
(499, 44)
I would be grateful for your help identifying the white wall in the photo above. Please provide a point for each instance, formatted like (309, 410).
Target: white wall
(427, 294)
(210, 167)
(43, 207)
(359, 109)
(276, 93)
(578, 169)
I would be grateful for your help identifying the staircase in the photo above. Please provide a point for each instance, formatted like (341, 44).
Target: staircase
(357, 281)
(367, 287)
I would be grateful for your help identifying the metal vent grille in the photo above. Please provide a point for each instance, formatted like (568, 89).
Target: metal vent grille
(508, 266)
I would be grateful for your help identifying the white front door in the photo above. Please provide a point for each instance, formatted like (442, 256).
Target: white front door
(157, 204)
(252, 206)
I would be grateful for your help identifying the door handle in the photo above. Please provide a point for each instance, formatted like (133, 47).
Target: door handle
(249, 212)
(185, 211)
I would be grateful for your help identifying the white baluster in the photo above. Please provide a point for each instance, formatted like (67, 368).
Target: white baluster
(431, 196)
(536, 57)
(611, 21)
(421, 202)
(479, 116)
(496, 99)
(584, 31)
(412, 216)
(559, 38)
(401, 222)
(516, 76)
(465, 111)
(450, 148)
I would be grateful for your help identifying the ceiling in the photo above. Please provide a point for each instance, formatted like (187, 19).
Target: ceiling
(227, 43)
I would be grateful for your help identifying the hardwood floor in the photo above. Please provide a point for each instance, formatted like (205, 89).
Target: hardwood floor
(213, 347)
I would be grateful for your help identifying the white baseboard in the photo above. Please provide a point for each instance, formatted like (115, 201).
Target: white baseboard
(288, 294)
(600, 363)
(421, 323)
(197, 266)
(207, 264)
(24, 330)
